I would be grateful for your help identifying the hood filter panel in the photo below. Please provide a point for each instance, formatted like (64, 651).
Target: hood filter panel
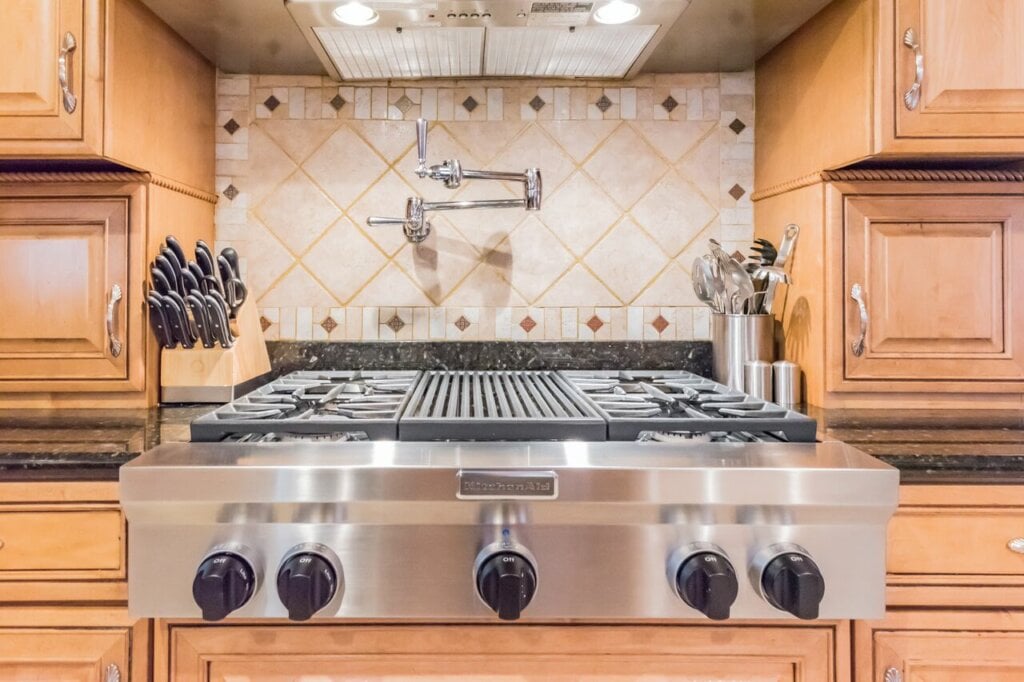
(587, 52)
(434, 52)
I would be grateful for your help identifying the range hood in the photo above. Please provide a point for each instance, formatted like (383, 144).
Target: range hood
(415, 39)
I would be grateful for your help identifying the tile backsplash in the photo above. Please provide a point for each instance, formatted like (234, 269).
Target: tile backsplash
(637, 176)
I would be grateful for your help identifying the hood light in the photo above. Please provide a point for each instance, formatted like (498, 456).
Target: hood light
(356, 14)
(617, 12)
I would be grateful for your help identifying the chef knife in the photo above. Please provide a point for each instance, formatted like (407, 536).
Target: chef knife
(173, 274)
(187, 327)
(158, 320)
(175, 247)
(189, 281)
(177, 267)
(218, 319)
(204, 257)
(178, 319)
(232, 324)
(161, 284)
(196, 271)
(201, 316)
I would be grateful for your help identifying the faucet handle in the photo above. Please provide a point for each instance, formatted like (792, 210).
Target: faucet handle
(421, 147)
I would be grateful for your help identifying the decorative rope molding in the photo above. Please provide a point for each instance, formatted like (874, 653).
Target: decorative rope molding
(915, 175)
(184, 189)
(782, 188)
(74, 176)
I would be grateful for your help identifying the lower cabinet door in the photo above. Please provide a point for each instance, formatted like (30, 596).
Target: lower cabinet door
(518, 653)
(943, 646)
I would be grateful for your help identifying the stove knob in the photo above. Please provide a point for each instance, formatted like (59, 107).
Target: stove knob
(792, 582)
(306, 583)
(223, 583)
(506, 582)
(707, 582)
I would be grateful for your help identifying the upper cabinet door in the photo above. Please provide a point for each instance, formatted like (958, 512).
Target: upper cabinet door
(939, 299)
(64, 273)
(959, 68)
(48, 85)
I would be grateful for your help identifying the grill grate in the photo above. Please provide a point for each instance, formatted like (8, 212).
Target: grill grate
(498, 405)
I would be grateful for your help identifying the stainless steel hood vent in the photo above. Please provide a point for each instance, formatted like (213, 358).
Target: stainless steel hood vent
(480, 38)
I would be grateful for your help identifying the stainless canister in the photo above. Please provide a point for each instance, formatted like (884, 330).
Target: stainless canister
(737, 339)
(787, 383)
(757, 379)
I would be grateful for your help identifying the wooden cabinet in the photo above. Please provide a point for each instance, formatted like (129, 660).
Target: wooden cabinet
(72, 644)
(105, 79)
(70, 292)
(941, 646)
(841, 89)
(523, 653)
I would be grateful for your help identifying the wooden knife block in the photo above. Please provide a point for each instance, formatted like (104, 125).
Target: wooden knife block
(217, 375)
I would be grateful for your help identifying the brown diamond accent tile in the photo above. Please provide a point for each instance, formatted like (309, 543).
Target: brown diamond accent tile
(265, 324)
(737, 192)
(537, 103)
(231, 126)
(660, 323)
(338, 102)
(527, 323)
(670, 104)
(595, 323)
(469, 103)
(737, 126)
(396, 323)
(462, 323)
(404, 104)
(231, 192)
(328, 324)
(604, 104)
(271, 103)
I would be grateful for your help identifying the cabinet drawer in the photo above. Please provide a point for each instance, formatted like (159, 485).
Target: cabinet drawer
(58, 543)
(955, 541)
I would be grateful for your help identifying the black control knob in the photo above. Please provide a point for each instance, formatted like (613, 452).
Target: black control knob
(707, 582)
(223, 583)
(506, 582)
(306, 583)
(792, 582)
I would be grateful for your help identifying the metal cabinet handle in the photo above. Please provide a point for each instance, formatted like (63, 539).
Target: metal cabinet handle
(892, 675)
(115, 298)
(1014, 545)
(113, 673)
(912, 97)
(65, 72)
(857, 294)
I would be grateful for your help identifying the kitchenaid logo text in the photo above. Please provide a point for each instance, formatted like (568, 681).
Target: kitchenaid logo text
(489, 484)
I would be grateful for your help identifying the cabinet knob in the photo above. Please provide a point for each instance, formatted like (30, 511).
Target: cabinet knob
(912, 97)
(892, 675)
(1014, 545)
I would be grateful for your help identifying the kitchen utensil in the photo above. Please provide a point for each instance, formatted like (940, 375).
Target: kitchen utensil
(201, 317)
(735, 339)
(738, 283)
(196, 271)
(211, 283)
(703, 284)
(765, 250)
(179, 303)
(786, 376)
(178, 319)
(189, 281)
(176, 267)
(159, 322)
(171, 274)
(204, 258)
(174, 246)
(217, 308)
(234, 289)
(161, 284)
(757, 379)
(785, 252)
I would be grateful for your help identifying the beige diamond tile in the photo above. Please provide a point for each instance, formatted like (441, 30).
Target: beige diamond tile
(578, 287)
(391, 287)
(579, 138)
(484, 138)
(268, 165)
(386, 198)
(265, 257)
(699, 245)
(391, 139)
(538, 258)
(672, 288)
(625, 166)
(534, 149)
(344, 260)
(297, 212)
(297, 287)
(485, 286)
(674, 138)
(579, 212)
(674, 212)
(438, 264)
(344, 166)
(626, 260)
(701, 166)
(299, 138)
(485, 228)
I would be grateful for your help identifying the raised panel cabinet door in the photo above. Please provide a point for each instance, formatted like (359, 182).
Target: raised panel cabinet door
(64, 655)
(971, 78)
(950, 656)
(501, 654)
(63, 291)
(42, 50)
(930, 291)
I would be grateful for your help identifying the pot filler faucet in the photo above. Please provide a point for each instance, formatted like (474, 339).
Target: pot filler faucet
(451, 173)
